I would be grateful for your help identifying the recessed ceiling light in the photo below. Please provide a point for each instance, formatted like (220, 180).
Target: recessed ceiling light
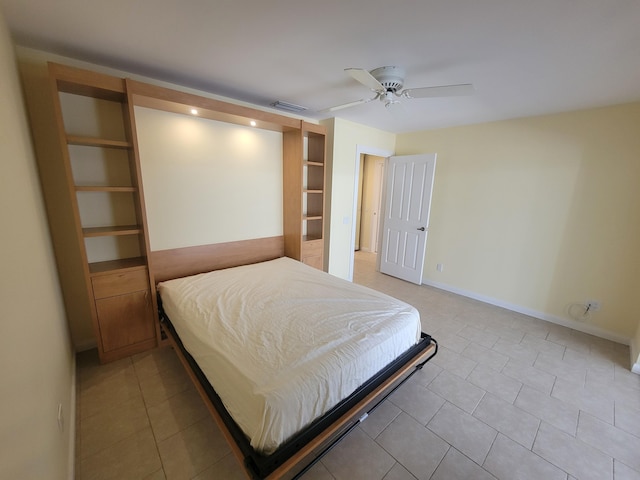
(253, 123)
(194, 111)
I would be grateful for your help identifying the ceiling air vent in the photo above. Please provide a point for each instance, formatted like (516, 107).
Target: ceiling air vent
(289, 107)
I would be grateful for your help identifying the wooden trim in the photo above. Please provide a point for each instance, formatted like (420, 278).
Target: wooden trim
(111, 231)
(86, 82)
(100, 188)
(166, 99)
(112, 266)
(97, 142)
(181, 262)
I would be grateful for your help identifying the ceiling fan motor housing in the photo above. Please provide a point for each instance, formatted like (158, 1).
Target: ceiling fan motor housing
(391, 78)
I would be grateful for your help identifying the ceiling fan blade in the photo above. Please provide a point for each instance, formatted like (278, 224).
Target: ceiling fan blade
(347, 105)
(441, 91)
(364, 77)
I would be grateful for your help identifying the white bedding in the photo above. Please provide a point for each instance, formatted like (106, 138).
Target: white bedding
(282, 343)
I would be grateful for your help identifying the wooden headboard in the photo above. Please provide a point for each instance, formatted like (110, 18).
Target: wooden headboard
(181, 262)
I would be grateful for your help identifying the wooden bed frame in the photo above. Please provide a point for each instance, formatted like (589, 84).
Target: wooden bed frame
(169, 264)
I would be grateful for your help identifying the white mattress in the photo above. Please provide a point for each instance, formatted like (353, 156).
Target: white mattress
(282, 343)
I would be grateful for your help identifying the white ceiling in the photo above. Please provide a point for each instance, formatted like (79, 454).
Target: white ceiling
(524, 57)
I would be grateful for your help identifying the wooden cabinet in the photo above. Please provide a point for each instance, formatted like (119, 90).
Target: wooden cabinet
(304, 193)
(92, 184)
(124, 309)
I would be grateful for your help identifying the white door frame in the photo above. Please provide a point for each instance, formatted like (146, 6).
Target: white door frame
(360, 150)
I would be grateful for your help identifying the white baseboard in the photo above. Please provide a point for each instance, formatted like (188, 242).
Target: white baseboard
(569, 323)
(635, 357)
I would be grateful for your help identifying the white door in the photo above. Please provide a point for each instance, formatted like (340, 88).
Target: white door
(409, 183)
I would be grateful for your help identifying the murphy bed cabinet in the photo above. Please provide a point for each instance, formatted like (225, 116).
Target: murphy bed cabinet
(83, 125)
(304, 187)
(98, 174)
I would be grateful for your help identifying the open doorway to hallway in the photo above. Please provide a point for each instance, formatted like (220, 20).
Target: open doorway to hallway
(369, 205)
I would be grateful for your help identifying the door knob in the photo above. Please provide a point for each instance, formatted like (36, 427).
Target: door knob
(421, 229)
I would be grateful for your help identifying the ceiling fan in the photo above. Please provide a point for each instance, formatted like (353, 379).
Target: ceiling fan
(387, 82)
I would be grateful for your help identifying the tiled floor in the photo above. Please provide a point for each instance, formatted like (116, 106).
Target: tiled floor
(507, 397)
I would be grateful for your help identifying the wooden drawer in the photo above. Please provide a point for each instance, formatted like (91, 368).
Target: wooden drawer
(312, 253)
(120, 283)
(312, 248)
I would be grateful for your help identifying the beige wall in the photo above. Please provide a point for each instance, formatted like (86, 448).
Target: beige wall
(540, 213)
(207, 181)
(35, 352)
(346, 140)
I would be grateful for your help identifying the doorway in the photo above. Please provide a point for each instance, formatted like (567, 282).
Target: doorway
(369, 203)
(361, 152)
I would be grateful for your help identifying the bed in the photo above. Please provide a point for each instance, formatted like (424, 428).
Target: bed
(289, 358)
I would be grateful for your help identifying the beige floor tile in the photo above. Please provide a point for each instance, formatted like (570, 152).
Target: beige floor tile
(622, 472)
(112, 424)
(453, 362)
(560, 368)
(318, 472)
(159, 387)
(226, 468)
(426, 375)
(571, 455)
(110, 390)
(177, 413)
(509, 420)
(479, 336)
(496, 383)
(193, 450)
(380, 419)
(455, 466)
(155, 361)
(530, 376)
(543, 346)
(416, 447)
(464, 432)
(627, 419)
(90, 371)
(517, 351)
(358, 456)
(588, 400)
(485, 356)
(398, 472)
(157, 475)
(133, 458)
(461, 393)
(610, 440)
(549, 409)
(417, 401)
(508, 460)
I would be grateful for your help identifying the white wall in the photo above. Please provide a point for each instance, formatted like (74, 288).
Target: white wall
(207, 181)
(35, 351)
(345, 140)
(540, 213)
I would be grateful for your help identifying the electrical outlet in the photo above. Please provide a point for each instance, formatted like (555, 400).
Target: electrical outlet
(439, 267)
(593, 305)
(60, 418)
